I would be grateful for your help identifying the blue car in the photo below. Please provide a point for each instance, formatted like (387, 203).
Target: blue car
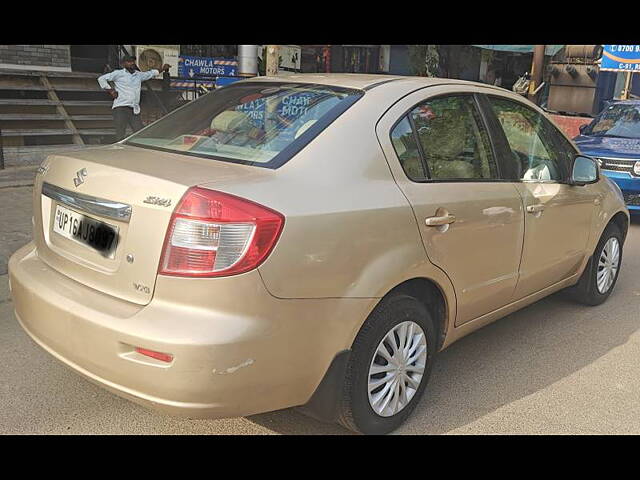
(613, 139)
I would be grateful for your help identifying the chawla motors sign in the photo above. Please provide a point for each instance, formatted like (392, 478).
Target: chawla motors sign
(190, 67)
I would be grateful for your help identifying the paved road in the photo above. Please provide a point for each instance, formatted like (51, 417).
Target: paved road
(554, 367)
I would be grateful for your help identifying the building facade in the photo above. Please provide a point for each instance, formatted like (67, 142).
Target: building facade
(55, 58)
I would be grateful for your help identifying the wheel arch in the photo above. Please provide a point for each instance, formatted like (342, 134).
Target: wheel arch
(432, 296)
(622, 221)
(324, 402)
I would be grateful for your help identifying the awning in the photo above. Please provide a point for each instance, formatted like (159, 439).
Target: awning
(549, 50)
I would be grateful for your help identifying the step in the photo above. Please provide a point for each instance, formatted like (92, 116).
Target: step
(42, 101)
(22, 87)
(55, 117)
(35, 154)
(69, 88)
(17, 176)
(27, 101)
(57, 88)
(87, 103)
(31, 116)
(38, 73)
(35, 132)
(97, 131)
(52, 116)
(91, 117)
(77, 88)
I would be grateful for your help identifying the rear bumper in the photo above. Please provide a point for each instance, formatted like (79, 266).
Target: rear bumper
(237, 349)
(630, 187)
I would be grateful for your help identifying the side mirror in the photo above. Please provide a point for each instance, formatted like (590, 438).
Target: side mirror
(584, 171)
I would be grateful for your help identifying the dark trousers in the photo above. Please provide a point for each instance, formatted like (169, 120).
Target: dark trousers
(123, 116)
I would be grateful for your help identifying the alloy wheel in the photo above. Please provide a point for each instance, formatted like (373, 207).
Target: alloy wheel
(397, 368)
(608, 265)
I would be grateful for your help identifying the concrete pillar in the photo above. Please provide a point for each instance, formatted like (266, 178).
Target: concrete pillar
(272, 60)
(247, 60)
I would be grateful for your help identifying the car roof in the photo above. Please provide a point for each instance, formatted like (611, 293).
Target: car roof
(362, 81)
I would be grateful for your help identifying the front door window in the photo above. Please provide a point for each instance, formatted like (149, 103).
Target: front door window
(529, 138)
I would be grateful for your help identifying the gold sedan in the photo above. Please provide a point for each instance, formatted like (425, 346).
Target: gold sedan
(312, 241)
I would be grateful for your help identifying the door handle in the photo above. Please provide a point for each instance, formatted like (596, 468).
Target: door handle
(537, 208)
(439, 221)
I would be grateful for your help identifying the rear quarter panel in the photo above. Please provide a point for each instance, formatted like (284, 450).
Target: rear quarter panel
(349, 230)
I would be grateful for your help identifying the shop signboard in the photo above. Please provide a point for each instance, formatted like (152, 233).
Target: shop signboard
(193, 67)
(621, 58)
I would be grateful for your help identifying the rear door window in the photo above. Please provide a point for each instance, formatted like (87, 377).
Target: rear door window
(453, 140)
(406, 146)
(445, 139)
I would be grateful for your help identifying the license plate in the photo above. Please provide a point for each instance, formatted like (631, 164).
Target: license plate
(86, 230)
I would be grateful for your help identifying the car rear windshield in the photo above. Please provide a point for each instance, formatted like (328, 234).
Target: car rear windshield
(254, 123)
(619, 120)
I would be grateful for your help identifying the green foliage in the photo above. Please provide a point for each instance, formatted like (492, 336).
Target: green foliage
(417, 60)
(424, 60)
(432, 60)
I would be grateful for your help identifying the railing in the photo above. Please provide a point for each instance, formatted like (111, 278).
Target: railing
(198, 84)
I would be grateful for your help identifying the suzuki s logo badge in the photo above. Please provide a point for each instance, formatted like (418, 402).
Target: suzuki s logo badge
(80, 176)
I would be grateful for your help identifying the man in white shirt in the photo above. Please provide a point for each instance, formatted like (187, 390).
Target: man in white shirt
(126, 94)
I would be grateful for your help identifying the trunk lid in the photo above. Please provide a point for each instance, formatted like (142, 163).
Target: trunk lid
(132, 189)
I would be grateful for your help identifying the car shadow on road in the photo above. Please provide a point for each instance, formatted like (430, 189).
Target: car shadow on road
(508, 360)
(292, 422)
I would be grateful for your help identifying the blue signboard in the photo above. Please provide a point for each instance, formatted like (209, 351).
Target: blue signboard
(193, 67)
(621, 58)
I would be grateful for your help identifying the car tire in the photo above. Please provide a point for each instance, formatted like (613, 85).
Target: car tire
(588, 291)
(396, 316)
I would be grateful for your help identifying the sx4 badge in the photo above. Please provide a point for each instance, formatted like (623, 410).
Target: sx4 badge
(163, 202)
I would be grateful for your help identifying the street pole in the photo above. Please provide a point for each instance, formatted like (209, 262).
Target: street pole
(536, 71)
(272, 60)
(627, 87)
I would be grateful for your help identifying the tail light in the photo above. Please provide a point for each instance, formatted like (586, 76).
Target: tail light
(216, 234)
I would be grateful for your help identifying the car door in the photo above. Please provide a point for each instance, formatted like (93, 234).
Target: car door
(558, 215)
(471, 222)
